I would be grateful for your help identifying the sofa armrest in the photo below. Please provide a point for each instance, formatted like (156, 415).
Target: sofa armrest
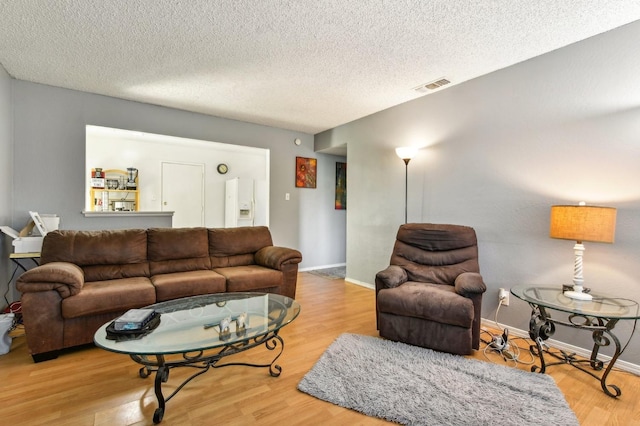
(469, 284)
(65, 278)
(275, 257)
(391, 277)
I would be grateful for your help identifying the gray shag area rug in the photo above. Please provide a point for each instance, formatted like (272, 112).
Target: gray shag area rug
(417, 386)
(336, 273)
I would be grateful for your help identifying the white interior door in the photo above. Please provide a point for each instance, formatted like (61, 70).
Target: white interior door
(183, 193)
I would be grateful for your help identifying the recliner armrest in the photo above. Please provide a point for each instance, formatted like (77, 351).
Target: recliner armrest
(66, 278)
(391, 277)
(470, 283)
(274, 257)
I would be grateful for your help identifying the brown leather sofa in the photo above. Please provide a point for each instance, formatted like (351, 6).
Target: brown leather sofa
(87, 278)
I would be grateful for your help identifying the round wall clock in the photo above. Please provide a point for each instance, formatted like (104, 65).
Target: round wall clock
(223, 168)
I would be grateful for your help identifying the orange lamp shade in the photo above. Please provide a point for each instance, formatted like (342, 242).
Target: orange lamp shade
(583, 223)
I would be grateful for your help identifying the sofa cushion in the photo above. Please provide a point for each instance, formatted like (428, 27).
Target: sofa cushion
(178, 250)
(183, 284)
(102, 255)
(250, 277)
(237, 246)
(427, 301)
(114, 272)
(99, 297)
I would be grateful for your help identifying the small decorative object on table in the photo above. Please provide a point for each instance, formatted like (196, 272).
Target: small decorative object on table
(225, 332)
(241, 324)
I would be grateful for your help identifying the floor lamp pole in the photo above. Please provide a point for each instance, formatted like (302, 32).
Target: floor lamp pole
(406, 154)
(406, 185)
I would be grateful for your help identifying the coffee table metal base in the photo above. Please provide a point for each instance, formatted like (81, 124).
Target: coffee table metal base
(203, 361)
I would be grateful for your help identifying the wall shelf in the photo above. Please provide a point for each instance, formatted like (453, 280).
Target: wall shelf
(117, 200)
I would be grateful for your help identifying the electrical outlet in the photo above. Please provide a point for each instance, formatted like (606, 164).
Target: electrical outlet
(503, 295)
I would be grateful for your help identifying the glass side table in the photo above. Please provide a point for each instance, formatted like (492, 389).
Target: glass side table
(599, 316)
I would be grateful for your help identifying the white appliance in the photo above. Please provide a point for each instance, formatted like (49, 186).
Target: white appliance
(27, 241)
(240, 203)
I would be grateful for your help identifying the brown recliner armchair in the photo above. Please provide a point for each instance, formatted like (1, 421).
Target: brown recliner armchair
(431, 294)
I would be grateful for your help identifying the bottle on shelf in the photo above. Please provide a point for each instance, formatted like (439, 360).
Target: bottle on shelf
(97, 178)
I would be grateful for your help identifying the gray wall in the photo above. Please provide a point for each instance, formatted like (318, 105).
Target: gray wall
(6, 154)
(322, 227)
(49, 173)
(498, 152)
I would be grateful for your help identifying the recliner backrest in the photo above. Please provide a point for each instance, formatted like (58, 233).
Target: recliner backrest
(435, 253)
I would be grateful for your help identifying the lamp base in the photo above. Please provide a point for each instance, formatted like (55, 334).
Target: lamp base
(578, 295)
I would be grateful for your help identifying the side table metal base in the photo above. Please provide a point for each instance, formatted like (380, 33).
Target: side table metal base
(542, 326)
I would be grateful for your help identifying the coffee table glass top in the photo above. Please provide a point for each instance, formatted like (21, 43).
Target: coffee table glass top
(600, 307)
(193, 323)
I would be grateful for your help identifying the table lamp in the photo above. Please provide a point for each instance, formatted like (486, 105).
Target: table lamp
(582, 223)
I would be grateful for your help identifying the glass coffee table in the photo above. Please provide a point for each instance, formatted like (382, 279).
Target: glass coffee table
(200, 331)
(599, 316)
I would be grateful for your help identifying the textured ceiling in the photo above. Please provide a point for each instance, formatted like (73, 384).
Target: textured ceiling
(305, 65)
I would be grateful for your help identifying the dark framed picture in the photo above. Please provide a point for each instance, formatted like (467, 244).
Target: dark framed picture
(341, 186)
(306, 169)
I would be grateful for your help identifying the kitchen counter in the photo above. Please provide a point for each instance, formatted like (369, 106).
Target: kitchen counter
(124, 213)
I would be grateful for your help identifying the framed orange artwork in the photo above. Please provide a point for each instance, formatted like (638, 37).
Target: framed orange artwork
(306, 172)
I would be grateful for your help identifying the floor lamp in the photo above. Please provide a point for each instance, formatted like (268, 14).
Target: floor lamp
(406, 154)
(582, 223)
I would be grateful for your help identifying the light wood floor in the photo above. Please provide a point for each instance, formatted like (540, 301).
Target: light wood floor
(91, 386)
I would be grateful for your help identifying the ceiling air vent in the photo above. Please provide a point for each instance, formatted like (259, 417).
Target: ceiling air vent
(432, 85)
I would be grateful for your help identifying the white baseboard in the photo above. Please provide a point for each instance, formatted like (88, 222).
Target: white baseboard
(313, 268)
(586, 353)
